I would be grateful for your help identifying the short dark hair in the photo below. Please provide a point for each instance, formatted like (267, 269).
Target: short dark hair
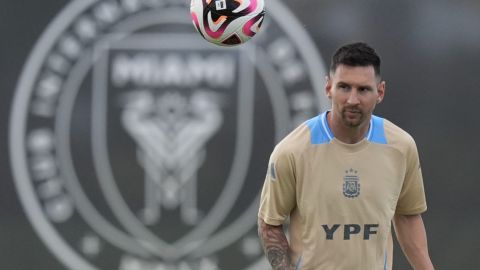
(356, 54)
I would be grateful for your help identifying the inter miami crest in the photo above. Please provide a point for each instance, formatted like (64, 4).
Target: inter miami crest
(135, 144)
(351, 184)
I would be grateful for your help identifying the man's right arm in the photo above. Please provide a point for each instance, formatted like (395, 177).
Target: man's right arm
(275, 246)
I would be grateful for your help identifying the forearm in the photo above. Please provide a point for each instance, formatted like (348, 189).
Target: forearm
(412, 237)
(275, 246)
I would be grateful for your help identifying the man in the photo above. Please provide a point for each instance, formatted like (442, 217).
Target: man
(342, 177)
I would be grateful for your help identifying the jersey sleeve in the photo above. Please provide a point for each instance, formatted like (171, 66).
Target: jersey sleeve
(412, 196)
(278, 194)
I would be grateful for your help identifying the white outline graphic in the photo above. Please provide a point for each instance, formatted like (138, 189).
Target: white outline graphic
(67, 255)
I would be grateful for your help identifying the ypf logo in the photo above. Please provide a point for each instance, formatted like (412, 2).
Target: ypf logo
(135, 144)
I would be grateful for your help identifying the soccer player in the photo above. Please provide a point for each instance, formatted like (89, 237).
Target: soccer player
(342, 177)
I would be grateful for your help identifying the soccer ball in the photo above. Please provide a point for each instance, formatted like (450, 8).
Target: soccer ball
(227, 22)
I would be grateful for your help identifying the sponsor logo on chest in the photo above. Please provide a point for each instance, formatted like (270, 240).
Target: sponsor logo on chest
(350, 231)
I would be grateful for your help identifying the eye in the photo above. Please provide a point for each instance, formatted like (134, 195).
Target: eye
(343, 87)
(364, 89)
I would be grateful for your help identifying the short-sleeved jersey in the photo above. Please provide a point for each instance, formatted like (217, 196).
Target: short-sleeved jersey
(340, 198)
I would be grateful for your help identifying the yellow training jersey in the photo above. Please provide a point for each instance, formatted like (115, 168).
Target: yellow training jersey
(341, 198)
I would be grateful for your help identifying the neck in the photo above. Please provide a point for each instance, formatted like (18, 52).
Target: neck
(344, 133)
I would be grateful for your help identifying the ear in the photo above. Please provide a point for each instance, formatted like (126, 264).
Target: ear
(381, 91)
(328, 87)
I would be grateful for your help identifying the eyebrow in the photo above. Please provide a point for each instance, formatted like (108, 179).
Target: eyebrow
(359, 86)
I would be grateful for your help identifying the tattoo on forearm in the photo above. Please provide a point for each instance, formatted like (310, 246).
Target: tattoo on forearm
(275, 246)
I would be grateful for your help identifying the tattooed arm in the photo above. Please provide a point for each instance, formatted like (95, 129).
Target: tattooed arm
(275, 246)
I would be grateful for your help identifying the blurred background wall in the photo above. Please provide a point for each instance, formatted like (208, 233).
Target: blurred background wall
(77, 176)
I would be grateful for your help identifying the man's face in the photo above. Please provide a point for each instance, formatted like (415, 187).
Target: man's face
(354, 92)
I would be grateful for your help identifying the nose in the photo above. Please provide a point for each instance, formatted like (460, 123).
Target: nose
(353, 98)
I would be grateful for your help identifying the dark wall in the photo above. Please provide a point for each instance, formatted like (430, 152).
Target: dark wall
(430, 62)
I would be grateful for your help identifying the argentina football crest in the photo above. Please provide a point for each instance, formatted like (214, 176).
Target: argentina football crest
(351, 184)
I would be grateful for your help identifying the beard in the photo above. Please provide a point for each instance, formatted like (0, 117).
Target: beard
(352, 117)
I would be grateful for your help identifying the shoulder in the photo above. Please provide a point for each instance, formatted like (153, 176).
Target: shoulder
(294, 141)
(395, 134)
(300, 138)
(398, 138)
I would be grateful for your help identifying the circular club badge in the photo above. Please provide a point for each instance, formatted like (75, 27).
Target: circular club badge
(135, 144)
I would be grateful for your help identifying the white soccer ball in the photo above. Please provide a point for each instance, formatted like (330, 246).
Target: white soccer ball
(227, 22)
